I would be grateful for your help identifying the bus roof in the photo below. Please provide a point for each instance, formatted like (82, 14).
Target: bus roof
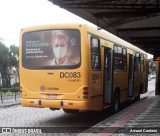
(114, 39)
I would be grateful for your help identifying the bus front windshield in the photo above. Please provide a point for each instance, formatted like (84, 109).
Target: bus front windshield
(51, 49)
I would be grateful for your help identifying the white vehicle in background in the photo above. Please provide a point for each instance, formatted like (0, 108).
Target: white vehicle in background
(152, 76)
(149, 77)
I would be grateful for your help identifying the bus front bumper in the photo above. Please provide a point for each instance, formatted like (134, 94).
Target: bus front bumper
(63, 104)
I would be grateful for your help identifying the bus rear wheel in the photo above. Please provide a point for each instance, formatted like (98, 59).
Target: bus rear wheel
(116, 102)
(137, 98)
(70, 111)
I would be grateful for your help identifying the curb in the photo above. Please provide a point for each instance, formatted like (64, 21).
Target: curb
(10, 105)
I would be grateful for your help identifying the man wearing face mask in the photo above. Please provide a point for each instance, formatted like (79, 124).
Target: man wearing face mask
(60, 48)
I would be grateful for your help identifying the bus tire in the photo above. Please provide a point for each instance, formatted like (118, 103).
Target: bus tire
(137, 98)
(116, 102)
(70, 111)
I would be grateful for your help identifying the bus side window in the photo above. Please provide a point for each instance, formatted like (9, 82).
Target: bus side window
(124, 59)
(118, 58)
(95, 53)
(137, 62)
(108, 65)
(142, 62)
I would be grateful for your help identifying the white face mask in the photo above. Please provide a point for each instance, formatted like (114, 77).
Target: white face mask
(60, 52)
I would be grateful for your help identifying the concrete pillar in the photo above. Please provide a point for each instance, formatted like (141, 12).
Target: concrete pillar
(157, 91)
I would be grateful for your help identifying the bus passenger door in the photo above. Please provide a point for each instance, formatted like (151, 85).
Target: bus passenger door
(108, 72)
(131, 75)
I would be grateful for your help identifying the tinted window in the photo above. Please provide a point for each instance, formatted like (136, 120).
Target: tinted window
(142, 62)
(120, 58)
(137, 62)
(95, 53)
(124, 59)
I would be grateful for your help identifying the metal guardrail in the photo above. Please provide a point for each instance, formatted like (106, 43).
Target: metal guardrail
(9, 94)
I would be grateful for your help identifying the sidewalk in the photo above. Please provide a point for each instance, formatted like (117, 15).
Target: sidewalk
(140, 115)
(10, 103)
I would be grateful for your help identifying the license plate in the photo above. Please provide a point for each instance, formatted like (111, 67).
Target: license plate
(51, 96)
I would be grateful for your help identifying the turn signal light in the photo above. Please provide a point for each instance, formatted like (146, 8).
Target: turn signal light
(31, 101)
(85, 93)
(85, 88)
(21, 91)
(70, 103)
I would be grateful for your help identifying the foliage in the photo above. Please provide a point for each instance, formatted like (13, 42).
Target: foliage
(13, 56)
(16, 85)
(8, 60)
(4, 61)
(14, 89)
(5, 90)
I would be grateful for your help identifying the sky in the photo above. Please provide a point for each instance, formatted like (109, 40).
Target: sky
(16, 14)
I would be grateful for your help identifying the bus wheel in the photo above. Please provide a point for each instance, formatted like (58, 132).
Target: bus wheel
(116, 102)
(137, 98)
(70, 111)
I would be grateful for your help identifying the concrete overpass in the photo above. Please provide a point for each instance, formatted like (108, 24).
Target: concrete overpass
(136, 21)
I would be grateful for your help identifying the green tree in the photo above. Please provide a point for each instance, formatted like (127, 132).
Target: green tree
(4, 60)
(13, 56)
(8, 60)
(13, 60)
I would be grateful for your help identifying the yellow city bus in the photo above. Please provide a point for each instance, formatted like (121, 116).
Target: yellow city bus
(77, 67)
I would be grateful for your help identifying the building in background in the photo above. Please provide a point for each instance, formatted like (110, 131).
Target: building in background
(14, 77)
